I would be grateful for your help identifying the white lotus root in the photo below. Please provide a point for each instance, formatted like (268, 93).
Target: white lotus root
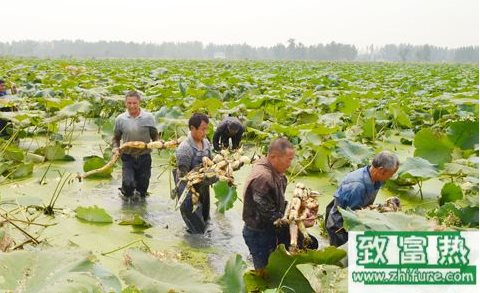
(392, 204)
(221, 167)
(135, 145)
(300, 213)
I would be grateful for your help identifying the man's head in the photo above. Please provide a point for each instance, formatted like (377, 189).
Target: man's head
(281, 154)
(3, 87)
(132, 103)
(198, 125)
(384, 165)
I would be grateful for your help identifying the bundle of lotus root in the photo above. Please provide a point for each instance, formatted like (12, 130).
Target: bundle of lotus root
(392, 204)
(136, 145)
(221, 167)
(300, 213)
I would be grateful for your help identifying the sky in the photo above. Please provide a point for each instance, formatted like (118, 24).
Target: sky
(445, 23)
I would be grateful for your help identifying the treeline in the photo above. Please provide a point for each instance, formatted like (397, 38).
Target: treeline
(425, 53)
(196, 50)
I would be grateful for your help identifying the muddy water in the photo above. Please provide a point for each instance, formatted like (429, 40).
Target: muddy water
(223, 238)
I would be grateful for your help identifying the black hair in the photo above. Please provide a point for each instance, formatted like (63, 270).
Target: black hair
(280, 145)
(197, 119)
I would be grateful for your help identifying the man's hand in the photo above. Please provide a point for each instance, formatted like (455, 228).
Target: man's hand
(281, 222)
(116, 151)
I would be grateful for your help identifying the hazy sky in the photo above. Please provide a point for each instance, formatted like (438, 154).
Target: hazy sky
(451, 23)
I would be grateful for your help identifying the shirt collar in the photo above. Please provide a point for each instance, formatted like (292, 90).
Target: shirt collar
(192, 143)
(139, 115)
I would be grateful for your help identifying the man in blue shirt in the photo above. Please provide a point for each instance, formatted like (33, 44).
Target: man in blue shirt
(358, 190)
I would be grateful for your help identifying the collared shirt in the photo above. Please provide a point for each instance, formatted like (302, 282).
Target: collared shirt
(140, 128)
(188, 155)
(357, 190)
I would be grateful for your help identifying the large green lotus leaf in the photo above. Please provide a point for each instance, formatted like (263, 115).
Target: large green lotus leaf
(321, 129)
(469, 216)
(354, 152)
(363, 220)
(254, 283)
(148, 274)
(232, 279)
(211, 105)
(56, 103)
(54, 270)
(417, 168)
(455, 168)
(325, 278)
(75, 108)
(369, 129)
(93, 214)
(136, 221)
(226, 196)
(53, 152)
(399, 116)
(463, 134)
(280, 260)
(322, 159)
(95, 162)
(13, 153)
(450, 192)
(284, 129)
(22, 170)
(433, 146)
(345, 105)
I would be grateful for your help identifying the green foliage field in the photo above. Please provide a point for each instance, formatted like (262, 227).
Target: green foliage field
(338, 115)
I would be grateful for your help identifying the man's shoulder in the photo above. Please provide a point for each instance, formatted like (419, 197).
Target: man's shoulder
(184, 148)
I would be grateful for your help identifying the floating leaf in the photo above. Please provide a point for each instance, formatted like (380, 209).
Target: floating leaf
(433, 146)
(95, 162)
(93, 214)
(280, 260)
(54, 270)
(13, 153)
(450, 192)
(22, 170)
(148, 274)
(232, 279)
(226, 196)
(363, 220)
(324, 278)
(136, 221)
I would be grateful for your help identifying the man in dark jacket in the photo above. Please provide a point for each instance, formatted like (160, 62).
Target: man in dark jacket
(230, 127)
(264, 201)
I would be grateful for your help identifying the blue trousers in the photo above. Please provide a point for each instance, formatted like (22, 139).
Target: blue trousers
(136, 172)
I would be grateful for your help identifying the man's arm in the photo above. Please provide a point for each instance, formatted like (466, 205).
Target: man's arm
(237, 138)
(219, 132)
(117, 136)
(153, 133)
(353, 195)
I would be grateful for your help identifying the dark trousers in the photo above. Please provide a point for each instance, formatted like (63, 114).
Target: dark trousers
(337, 234)
(136, 172)
(260, 244)
(197, 220)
